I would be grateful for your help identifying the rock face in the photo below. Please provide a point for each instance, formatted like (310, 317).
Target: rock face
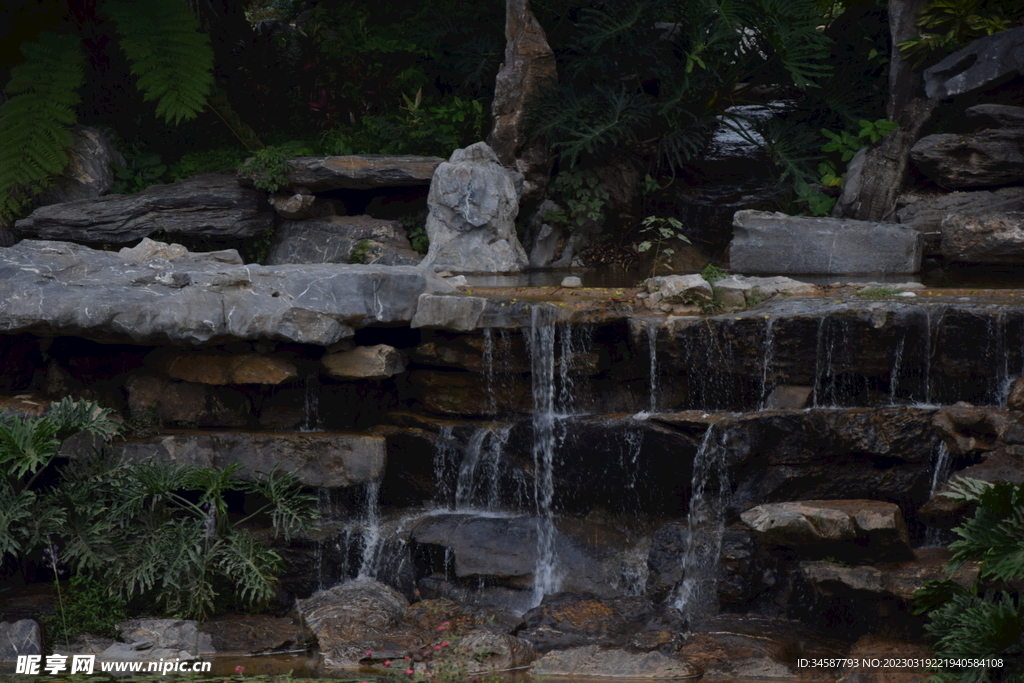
(54, 288)
(365, 362)
(359, 172)
(926, 213)
(528, 67)
(821, 522)
(776, 243)
(565, 620)
(186, 402)
(211, 205)
(994, 116)
(20, 637)
(253, 633)
(336, 239)
(984, 62)
(247, 368)
(350, 619)
(593, 660)
(988, 238)
(496, 651)
(983, 159)
(890, 579)
(473, 204)
(322, 459)
(88, 173)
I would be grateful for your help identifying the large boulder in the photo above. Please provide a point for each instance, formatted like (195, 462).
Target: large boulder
(983, 159)
(566, 620)
(473, 204)
(986, 62)
(18, 638)
(253, 633)
(340, 239)
(365, 362)
(766, 242)
(320, 459)
(592, 660)
(994, 116)
(209, 205)
(88, 173)
(925, 213)
(988, 238)
(357, 172)
(57, 288)
(800, 524)
(217, 369)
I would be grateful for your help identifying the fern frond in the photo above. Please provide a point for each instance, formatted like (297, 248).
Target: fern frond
(35, 121)
(15, 511)
(171, 58)
(72, 416)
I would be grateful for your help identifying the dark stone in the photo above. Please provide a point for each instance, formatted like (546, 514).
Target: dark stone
(334, 239)
(254, 633)
(988, 238)
(984, 159)
(88, 173)
(984, 63)
(19, 359)
(566, 620)
(358, 172)
(925, 213)
(994, 116)
(211, 205)
(19, 638)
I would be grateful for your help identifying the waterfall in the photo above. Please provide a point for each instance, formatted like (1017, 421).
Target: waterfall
(372, 540)
(894, 375)
(940, 473)
(1003, 382)
(705, 522)
(480, 467)
(652, 346)
(766, 358)
(311, 421)
(445, 454)
(542, 365)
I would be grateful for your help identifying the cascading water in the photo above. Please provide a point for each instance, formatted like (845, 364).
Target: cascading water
(766, 359)
(311, 421)
(652, 346)
(940, 473)
(705, 523)
(480, 469)
(372, 539)
(894, 374)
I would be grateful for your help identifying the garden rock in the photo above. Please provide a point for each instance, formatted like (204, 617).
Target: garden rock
(547, 248)
(984, 63)
(766, 242)
(298, 206)
(983, 159)
(148, 250)
(988, 238)
(176, 634)
(925, 213)
(566, 620)
(678, 289)
(209, 205)
(88, 173)
(340, 239)
(801, 524)
(253, 633)
(358, 172)
(319, 459)
(217, 369)
(593, 660)
(496, 651)
(20, 637)
(994, 116)
(365, 362)
(473, 204)
(57, 288)
(186, 403)
(738, 291)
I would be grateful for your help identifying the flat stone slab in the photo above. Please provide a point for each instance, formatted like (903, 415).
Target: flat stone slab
(774, 243)
(211, 204)
(987, 158)
(359, 172)
(322, 459)
(58, 288)
(805, 523)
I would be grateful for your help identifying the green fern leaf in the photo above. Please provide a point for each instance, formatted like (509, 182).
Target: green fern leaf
(171, 58)
(35, 121)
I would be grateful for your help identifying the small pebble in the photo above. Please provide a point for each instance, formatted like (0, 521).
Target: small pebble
(572, 281)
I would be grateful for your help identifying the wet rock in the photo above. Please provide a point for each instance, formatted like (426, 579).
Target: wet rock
(340, 239)
(496, 651)
(739, 291)
(358, 172)
(824, 522)
(88, 173)
(664, 559)
(745, 570)
(881, 647)
(321, 459)
(994, 116)
(984, 62)
(983, 159)
(365, 362)
(473, 206)
(1003, 465)
(174, 634)
(508, 353)
(966, 428)
(20, 637)
(209, 205)
(891, 579)
(593, 660)
(529, 66)
(253, 633)
(57, 288)
(185, 402)
(567, 620)
(546, 243)
(989, 238)
(1015, 401)
(351, 618)
(766, 242)
(463, 393)
(246, 368)
(788, 397)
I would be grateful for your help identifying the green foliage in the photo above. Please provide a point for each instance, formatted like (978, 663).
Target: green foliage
(416, 229)
(140, 172)
(583, 196)
(171, 58)
(87, 607)
(818, 203)
(73, 416)
(878, 292)
(207, 161)
(358, 254)
(258, 248)
(986, 620)
(713, 274)
(269, 168)
(848, 145)
(661, 231)
(948, 25)
(35, 121)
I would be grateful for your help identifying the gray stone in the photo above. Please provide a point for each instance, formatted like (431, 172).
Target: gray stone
(572, 281)
(320, 459)
(529, 67)
(544, 241)
(128, 652)
(925, 213)
(787, 397)
(19, 638)
(57, 288)
(365, 362)
(211, 205)
(592, 660)
(335, 239)
(296, 207)
(679, 289)
(187, 402)
(766, 242)
(88, 173)
(175, 634)
(738, 291)
(805, 523)
(994, 116)
(358, 172)
(149, 250)
(985, 62)
(986, 238)
(983, 159)
(350, 618)
(473, 206)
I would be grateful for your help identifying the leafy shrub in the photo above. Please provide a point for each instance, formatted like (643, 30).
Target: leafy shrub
(662, 230)
(583, 197)
(207, 161)
(139, 173)
(269, 168)
(948, 25)
(86, 607)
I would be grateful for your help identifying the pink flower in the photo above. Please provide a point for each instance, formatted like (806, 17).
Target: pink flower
(408, 672)
(407, 658)
(437, 647)
(440, 628)
(445, 644)
(239, 669)
(387, 662)
(369, 653)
